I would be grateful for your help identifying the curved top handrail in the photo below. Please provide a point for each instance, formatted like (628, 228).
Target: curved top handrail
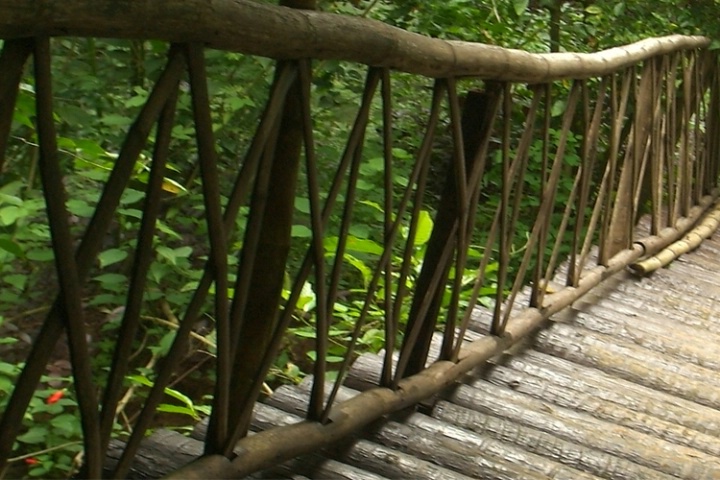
(279, 32)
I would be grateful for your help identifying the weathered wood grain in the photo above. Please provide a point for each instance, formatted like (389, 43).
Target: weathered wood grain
(278, 32)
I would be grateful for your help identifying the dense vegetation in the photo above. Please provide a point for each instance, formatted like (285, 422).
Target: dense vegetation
(99, 87)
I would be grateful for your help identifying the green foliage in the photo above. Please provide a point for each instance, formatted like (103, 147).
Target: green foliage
(51, 439)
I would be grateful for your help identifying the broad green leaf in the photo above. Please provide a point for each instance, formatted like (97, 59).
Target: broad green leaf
(135, 101)
(131, 196)
(302, 205)
(365, 185)
(183, 252)
(112, 279)
(35, 435)
(10, 199)
(66, 424)
(9, 369)
(558, 108)
(520, 6)
(424, 228)
(111, 256)
(114, 120)
(303, 333)
(10, 214)
(80, 208)
(40, 254)
(373, 165)
(301, 231)
(167, 253)
(17, 280)
(12, 247)
(89, 148)
(363, 245)
(130, 212)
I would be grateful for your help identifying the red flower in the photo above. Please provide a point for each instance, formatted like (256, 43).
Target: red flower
(55, 397)
(31, 461)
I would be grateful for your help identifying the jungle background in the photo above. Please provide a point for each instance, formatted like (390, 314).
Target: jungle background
(99, 86)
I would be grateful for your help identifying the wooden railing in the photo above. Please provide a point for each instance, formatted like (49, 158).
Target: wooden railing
(635, 130)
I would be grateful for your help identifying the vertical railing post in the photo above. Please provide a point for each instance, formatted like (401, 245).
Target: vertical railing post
(254, 333)
(625, 208)
(478, 109)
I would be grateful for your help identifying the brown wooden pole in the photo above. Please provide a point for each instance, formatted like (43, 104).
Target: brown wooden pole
(265, 295)
(476, 110)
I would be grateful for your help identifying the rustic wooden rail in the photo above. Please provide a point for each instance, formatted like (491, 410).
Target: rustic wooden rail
(644, 124)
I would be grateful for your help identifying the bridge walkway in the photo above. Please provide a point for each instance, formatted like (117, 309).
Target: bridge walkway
(623, 384)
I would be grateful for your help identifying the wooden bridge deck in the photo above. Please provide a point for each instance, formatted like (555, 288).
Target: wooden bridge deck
(622, 385)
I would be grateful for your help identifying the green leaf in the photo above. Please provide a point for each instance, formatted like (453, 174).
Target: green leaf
(302, 205)
(111, 256)
(593, 10)
(40, 254)
(12, 247)
(81, 208)
(165, 343)
(363, 245)
(113, 281)
(35, 435)
(6, 385)
(130, 212)
(141, 379)
(9, 369)
(131, 196)
(9, 214)
(520, 6)
(135, 101)
(303, 332)
(558, 108)
(89, 149)
(114, 120)
(167, 253)
(17, 280)
(360, 265)
(179, 396)
(167, 408)
(10, 199)
(66, 424)
(301, 231)
(424, 228)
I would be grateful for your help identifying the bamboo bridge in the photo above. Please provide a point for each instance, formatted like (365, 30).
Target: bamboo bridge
(596, 356)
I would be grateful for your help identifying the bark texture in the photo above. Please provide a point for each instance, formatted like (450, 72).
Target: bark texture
(279, 32)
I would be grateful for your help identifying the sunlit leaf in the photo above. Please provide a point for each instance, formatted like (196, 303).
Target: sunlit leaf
(520, 6)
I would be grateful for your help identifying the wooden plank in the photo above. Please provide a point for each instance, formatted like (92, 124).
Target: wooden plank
(583, 429)
(618, 391)
(581, 457)
(450, 447)
(587, 401)
(631, 362)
